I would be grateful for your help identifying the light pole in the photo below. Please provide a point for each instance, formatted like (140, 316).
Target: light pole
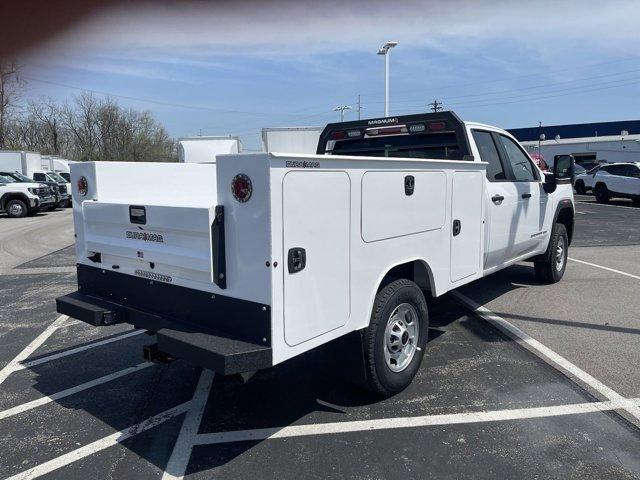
(384, 50)
(341, 109)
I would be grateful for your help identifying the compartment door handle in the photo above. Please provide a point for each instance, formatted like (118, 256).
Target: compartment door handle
(296, 259)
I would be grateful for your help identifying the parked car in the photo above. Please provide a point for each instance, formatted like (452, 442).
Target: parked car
(64, 188)
(32, 165)
(240, 265)
(621, 180)
(19, 199)
(52, 186)
(584, 181)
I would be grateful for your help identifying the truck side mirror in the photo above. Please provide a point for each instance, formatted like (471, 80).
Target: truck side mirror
(563, 173)
(563, 169)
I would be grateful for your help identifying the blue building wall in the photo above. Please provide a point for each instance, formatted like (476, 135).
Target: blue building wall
(577, 130)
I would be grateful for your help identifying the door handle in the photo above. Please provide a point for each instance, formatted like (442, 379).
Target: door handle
(497, 198)
(526, 195)
(457, 226)
(296, 259)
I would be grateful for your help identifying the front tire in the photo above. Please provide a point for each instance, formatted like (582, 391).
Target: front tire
(396, 337)
(16, 209)
(552, 269)
(602, 193)
(580, 188)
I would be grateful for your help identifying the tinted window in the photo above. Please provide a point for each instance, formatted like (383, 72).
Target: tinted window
(631, 171)
(40, 177)
(489, 154)
(520, 163)
(436, 145)
(616, 169)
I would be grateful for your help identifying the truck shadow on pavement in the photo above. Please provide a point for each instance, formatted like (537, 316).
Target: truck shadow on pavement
(459, 373)
(521, 276)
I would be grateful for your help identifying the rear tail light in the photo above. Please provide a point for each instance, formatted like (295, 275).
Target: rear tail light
(241, 188)
(83, 186)
(339, 135)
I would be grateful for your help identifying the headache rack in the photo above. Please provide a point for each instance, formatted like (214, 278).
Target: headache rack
(425, 135)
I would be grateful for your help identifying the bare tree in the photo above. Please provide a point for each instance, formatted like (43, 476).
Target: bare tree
(89, 128)
(11, 86)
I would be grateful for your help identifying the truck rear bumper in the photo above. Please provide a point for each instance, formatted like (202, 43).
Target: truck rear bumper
(218, 353)
(202, 336)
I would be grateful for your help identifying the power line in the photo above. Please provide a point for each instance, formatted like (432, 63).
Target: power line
(152, 101)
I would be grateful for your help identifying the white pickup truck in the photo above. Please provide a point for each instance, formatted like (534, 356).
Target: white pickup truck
(240, 265)
(19, 198)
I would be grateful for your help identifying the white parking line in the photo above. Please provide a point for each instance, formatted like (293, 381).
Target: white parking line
(412, 422)
(177, 465)
(14, 364)
(545, 353)
(71, 391)
(605, 268)
(99, 445)
(81, 348)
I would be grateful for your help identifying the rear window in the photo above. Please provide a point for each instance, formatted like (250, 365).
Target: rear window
(443, 146)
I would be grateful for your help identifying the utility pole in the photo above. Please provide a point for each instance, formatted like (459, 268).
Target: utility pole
(436, 106)
(341, 109)
(359, 106)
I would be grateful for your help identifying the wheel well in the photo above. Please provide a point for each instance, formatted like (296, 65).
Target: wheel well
(565, 217)
(416, 270)
(7, 197)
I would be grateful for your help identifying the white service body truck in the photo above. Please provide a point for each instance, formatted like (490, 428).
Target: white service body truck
(260, 257)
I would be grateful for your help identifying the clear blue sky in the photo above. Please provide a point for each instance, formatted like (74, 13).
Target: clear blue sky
(238, 67)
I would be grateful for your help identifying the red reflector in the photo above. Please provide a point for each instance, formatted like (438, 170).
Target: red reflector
(83, 186)
(241, 188)
(436, 126)
(339, 135)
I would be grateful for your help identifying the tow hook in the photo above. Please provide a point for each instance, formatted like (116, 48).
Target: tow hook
(152, 354)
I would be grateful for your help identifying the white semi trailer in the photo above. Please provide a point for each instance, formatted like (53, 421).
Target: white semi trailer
(243, 264)
(291, 139)
(206, 149)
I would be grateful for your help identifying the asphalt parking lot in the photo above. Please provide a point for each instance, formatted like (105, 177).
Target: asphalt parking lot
(538, 382)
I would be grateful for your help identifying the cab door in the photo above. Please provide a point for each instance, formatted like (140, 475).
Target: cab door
(501, 202)
(530, 220)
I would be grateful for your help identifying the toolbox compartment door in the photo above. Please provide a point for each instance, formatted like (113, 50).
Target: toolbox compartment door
(466, 213)
(316, 219)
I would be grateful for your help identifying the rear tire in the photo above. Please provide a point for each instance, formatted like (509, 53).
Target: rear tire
(552, 269)
(580, 188)
(602, 193)
(396, 337)
(16, 209)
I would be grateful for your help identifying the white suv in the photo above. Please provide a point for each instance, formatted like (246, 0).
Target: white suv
(617, 180)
